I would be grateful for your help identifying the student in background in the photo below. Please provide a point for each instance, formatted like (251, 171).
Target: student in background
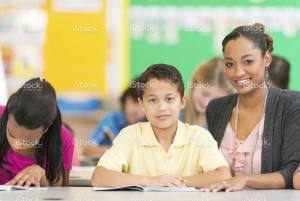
(208, 82)
(163, 151)
(279, 70)
(112, 123)
(35, 148)
(257, 129)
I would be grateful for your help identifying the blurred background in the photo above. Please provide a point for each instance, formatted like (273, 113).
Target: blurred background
(90, 50)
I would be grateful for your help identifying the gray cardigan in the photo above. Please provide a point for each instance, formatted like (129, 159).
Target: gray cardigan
(281, 136)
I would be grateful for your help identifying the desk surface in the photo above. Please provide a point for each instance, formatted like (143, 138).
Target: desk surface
(81, 176)
(87, 194)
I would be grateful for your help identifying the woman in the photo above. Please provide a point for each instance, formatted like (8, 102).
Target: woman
(35, 149)
(209, 81)
(258, 128)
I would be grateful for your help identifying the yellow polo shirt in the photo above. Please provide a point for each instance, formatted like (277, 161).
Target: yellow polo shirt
(136, 151)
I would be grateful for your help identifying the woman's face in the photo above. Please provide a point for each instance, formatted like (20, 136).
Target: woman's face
(22, 139)
(244, 65)
(201, 96)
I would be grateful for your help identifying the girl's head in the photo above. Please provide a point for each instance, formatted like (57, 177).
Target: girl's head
(246, 53)
(209, 81)
(32, 121)
(279, 71)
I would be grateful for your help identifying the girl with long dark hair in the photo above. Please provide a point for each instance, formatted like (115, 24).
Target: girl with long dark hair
(35, 148)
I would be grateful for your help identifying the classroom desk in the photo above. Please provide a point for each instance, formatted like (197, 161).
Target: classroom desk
(87, 194)
(81, 176)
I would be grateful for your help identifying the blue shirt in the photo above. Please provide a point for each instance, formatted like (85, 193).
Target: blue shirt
(115, 121)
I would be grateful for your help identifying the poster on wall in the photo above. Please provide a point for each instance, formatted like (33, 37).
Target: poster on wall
(76, 6)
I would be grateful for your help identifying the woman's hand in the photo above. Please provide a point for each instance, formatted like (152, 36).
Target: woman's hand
(234, 184)
(166, 181)
(30, 175)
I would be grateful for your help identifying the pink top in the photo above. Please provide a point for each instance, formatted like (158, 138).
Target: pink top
(19, 162)
(298, 169)
(244, 150)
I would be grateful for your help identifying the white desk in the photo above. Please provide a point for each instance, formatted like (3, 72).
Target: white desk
(87, 194)
(81, 176)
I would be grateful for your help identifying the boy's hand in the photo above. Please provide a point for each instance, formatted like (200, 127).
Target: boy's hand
(166, 181)
(30, 175)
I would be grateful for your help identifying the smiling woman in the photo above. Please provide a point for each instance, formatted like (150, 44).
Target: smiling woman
(35, 149)
(257, 129)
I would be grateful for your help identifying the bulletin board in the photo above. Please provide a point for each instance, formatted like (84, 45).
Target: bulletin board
(77, 46)
(187, 33)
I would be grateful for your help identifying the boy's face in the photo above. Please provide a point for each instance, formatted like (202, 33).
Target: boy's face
(162, 103)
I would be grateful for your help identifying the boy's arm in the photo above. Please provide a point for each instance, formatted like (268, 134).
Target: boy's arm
(212, 164)
(218, 175)
(103, 177)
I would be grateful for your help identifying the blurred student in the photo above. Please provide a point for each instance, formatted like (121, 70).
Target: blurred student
(257, 129)
(279, 70)
(35, 148)
(163, 151)
(208, 82)
(113, 122)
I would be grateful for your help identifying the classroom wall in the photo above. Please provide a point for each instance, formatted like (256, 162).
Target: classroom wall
(186, 33)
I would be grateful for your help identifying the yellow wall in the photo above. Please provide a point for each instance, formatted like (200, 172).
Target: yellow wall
(72, 56)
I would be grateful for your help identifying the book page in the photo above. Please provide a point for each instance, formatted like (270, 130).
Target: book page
(168, 189)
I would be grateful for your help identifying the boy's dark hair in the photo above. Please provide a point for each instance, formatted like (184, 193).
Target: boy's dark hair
(161, 72)
(129, 92)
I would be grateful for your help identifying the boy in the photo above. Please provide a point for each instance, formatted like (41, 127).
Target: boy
(163, 151)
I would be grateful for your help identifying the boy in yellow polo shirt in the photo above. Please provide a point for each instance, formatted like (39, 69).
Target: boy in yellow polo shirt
(163, 151)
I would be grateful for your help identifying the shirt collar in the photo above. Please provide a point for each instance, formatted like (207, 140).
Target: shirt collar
(149, 139)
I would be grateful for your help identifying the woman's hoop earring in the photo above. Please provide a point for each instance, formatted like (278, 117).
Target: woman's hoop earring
(266, 74)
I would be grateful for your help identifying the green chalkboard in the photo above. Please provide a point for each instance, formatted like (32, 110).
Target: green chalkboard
(190, 48)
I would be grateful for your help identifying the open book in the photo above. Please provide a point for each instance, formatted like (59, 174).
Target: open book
(13, 188)
(140, 188)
